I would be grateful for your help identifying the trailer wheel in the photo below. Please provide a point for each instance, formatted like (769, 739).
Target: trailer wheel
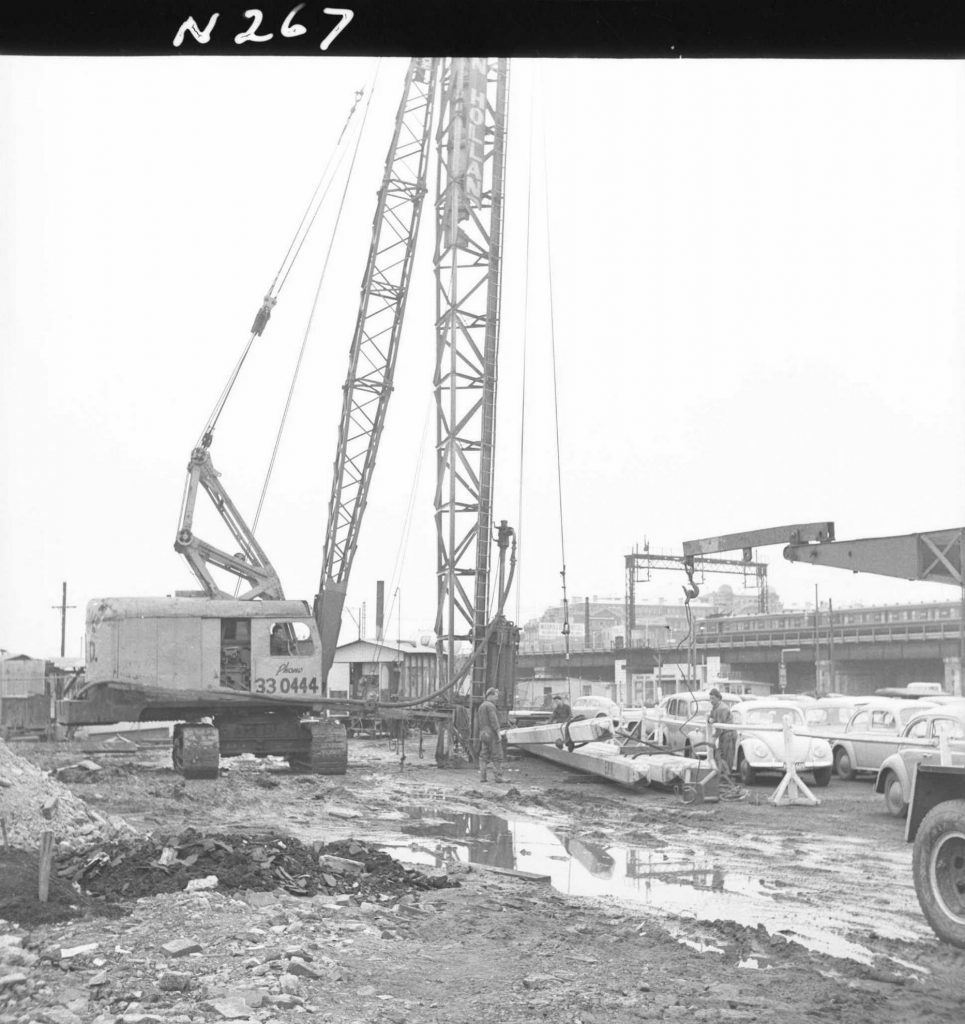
(938, 867)
(894, 796)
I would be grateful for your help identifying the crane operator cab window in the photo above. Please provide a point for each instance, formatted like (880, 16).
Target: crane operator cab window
(290, 639)
(236, 654)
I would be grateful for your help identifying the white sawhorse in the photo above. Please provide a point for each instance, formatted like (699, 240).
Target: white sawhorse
(791, 789)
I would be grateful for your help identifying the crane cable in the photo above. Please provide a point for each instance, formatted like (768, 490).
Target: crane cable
(556, 405)
(311, 315)
(522, 410)
(284, 269)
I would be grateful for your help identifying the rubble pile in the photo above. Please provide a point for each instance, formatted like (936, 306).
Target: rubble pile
(130, 868)
(32, 802)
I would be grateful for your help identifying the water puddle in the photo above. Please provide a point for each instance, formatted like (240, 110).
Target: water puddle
(672, 879)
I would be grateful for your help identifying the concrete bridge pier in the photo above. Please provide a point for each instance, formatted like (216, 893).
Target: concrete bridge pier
(822, 676)
(953, 675)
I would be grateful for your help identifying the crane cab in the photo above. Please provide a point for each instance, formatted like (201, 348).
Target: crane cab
(175, 657)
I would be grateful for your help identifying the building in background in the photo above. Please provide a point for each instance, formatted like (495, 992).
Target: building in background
(657, 625)
(24, 696)
(380, 670)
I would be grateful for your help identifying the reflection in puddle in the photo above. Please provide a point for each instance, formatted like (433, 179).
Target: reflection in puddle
(670, 880)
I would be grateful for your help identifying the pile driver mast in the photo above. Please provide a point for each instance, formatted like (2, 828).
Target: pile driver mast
(469, 238)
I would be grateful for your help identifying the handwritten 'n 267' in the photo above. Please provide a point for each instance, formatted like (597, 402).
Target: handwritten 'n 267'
(289, 27)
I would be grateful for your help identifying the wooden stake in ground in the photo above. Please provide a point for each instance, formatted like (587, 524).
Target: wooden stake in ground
(46, 850)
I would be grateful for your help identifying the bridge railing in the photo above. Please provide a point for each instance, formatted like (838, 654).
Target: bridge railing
(883, 632)
(802, 636)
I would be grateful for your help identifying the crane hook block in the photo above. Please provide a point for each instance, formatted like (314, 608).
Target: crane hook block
(263, 316)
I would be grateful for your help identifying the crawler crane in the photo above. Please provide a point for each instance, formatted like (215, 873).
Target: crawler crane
(248, 673)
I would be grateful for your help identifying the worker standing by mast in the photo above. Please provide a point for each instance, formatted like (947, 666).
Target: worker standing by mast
(487, 733)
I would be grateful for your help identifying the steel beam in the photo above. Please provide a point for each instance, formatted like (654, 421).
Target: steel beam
(935, 557)
(797, 534)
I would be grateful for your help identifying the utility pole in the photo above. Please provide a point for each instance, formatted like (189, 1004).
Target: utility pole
(817, 645)
(831, 642)
(62, 608)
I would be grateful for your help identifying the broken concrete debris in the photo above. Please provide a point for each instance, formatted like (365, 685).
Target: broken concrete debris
(191, 860)
(181, 947)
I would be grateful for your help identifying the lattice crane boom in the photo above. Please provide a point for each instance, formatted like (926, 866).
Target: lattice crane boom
(368, 385)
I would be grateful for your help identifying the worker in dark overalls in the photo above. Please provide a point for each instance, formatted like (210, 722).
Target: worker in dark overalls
(562, 712)
(726, 738)
(487, 734)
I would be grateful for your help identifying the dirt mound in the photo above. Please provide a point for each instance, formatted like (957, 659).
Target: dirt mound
(127, 869)
(25, 789)
(19, 877)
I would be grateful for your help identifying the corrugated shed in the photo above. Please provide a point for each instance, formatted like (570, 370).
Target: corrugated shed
(21, 675)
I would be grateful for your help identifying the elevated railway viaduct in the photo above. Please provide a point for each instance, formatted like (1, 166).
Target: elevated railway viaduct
(887, 647)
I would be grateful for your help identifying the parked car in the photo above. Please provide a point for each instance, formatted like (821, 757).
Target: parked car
(897, 771)
(677, 722)
(762, 749)
(596, 707)
(828, 716)
(872, 734)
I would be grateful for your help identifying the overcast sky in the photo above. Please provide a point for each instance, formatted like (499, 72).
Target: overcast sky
(757, 277)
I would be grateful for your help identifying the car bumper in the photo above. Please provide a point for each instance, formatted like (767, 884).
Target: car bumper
(774, 765)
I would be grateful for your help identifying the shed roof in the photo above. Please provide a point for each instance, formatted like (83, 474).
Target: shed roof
(379, 650)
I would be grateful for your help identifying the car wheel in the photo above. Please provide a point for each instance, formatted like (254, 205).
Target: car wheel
(688, 749)
(822, 776)
(842, 764)
(894, 796)
(938, 867)
(746, 772)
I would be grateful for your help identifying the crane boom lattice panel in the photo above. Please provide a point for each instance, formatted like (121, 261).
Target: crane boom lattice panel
(469, 223)
(375, 342)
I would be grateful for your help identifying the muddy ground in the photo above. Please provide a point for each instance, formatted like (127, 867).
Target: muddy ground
(562, 898)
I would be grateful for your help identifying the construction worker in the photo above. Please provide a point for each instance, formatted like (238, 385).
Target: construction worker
(487, 733)
(562, 712)
(726, 738)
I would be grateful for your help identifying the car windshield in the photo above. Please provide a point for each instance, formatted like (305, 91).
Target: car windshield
(906, 714)
(828, 715)
(770, 714)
